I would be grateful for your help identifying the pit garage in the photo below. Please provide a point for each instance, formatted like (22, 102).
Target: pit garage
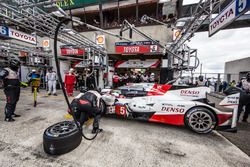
(61, 105)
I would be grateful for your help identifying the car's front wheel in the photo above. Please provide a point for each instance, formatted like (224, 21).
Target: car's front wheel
(200, 120)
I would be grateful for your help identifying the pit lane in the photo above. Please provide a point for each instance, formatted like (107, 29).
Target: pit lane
(123, 142)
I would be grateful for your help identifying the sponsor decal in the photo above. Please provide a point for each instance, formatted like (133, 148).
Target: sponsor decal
(72, 51)
(173, 109)
(65, 3)
(194, 93)
(46, 43)
(164, 104)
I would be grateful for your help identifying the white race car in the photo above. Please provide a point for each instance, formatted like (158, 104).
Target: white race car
(177, 107)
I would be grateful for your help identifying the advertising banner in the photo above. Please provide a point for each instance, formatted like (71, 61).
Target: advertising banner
(228, 15)
(138, 47)
(15, 34)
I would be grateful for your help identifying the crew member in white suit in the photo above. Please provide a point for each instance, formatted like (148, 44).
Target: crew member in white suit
(51, 78)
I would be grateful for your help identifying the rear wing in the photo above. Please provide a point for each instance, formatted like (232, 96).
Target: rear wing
(232, 101)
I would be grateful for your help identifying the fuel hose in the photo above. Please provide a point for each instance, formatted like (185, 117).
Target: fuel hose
(65, 21)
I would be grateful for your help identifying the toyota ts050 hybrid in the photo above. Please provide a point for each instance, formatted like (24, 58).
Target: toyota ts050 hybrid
(176, 107)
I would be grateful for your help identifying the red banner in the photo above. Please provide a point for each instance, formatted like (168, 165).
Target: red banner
(135, 49)
(72, 51)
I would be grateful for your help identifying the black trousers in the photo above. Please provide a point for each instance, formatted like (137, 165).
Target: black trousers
(244, 101)
(12, 96)
(247, 112)
(86, 111)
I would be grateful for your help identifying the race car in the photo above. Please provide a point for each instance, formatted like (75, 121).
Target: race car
(177, 107)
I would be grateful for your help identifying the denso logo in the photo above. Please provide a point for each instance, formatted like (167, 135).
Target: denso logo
(189, 92)
(173, 109)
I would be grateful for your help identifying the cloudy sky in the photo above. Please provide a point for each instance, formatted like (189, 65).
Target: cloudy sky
(225, 45)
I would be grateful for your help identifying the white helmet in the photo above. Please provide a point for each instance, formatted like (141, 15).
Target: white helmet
(34, 70)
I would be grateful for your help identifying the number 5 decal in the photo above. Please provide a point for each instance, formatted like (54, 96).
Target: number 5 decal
(122, 110)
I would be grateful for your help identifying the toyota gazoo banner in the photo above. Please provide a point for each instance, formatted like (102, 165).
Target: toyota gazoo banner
(150, 63)
(71, 50)
(136, 47)
(12, 33)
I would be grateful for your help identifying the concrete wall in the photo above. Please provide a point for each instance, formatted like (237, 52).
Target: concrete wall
(235, 68)
(158, 32)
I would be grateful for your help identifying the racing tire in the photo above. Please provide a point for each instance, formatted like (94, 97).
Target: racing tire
(200, 120)
(61, 138)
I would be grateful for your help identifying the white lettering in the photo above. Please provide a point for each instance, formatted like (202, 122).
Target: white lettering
(133, 49)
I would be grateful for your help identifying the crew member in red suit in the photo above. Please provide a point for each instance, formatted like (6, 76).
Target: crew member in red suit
(115, 80)
(70, 80)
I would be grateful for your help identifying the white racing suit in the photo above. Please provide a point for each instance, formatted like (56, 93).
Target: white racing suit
(51, 79)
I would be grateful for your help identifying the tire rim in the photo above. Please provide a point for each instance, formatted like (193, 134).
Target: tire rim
(200, 121)
(62, 128)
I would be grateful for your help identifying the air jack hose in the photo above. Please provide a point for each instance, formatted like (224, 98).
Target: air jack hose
(65, 21)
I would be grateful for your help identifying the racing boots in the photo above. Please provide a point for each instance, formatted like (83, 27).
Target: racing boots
(16, 115)
(96, 130)
(9, 119)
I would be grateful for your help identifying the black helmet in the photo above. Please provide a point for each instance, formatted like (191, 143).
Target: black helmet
(14, 62)
(201, 78)
(83, 89)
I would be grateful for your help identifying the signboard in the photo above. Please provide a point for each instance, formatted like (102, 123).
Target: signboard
(176, 33)
(228, 15)
(72, 51)
(150, 63)
(46, 43)
(136, 47)
(15, 34)
(100, 39)
(73, 4)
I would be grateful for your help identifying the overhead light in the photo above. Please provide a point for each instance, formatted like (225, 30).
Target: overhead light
(69, 31)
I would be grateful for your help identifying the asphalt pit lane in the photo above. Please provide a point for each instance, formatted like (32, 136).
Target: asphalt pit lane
(34, 120)
(105, 136)
(173, 152)
(14, 154)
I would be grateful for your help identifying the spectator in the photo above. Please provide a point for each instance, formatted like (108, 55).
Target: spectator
(152, 78)
(224, 85)
(144, 77)
(126, 78)
(232, 84)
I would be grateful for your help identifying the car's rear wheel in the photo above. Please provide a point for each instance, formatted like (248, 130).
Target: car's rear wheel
(200, 120)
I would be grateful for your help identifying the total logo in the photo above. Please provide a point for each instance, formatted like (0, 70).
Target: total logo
(189, 92)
